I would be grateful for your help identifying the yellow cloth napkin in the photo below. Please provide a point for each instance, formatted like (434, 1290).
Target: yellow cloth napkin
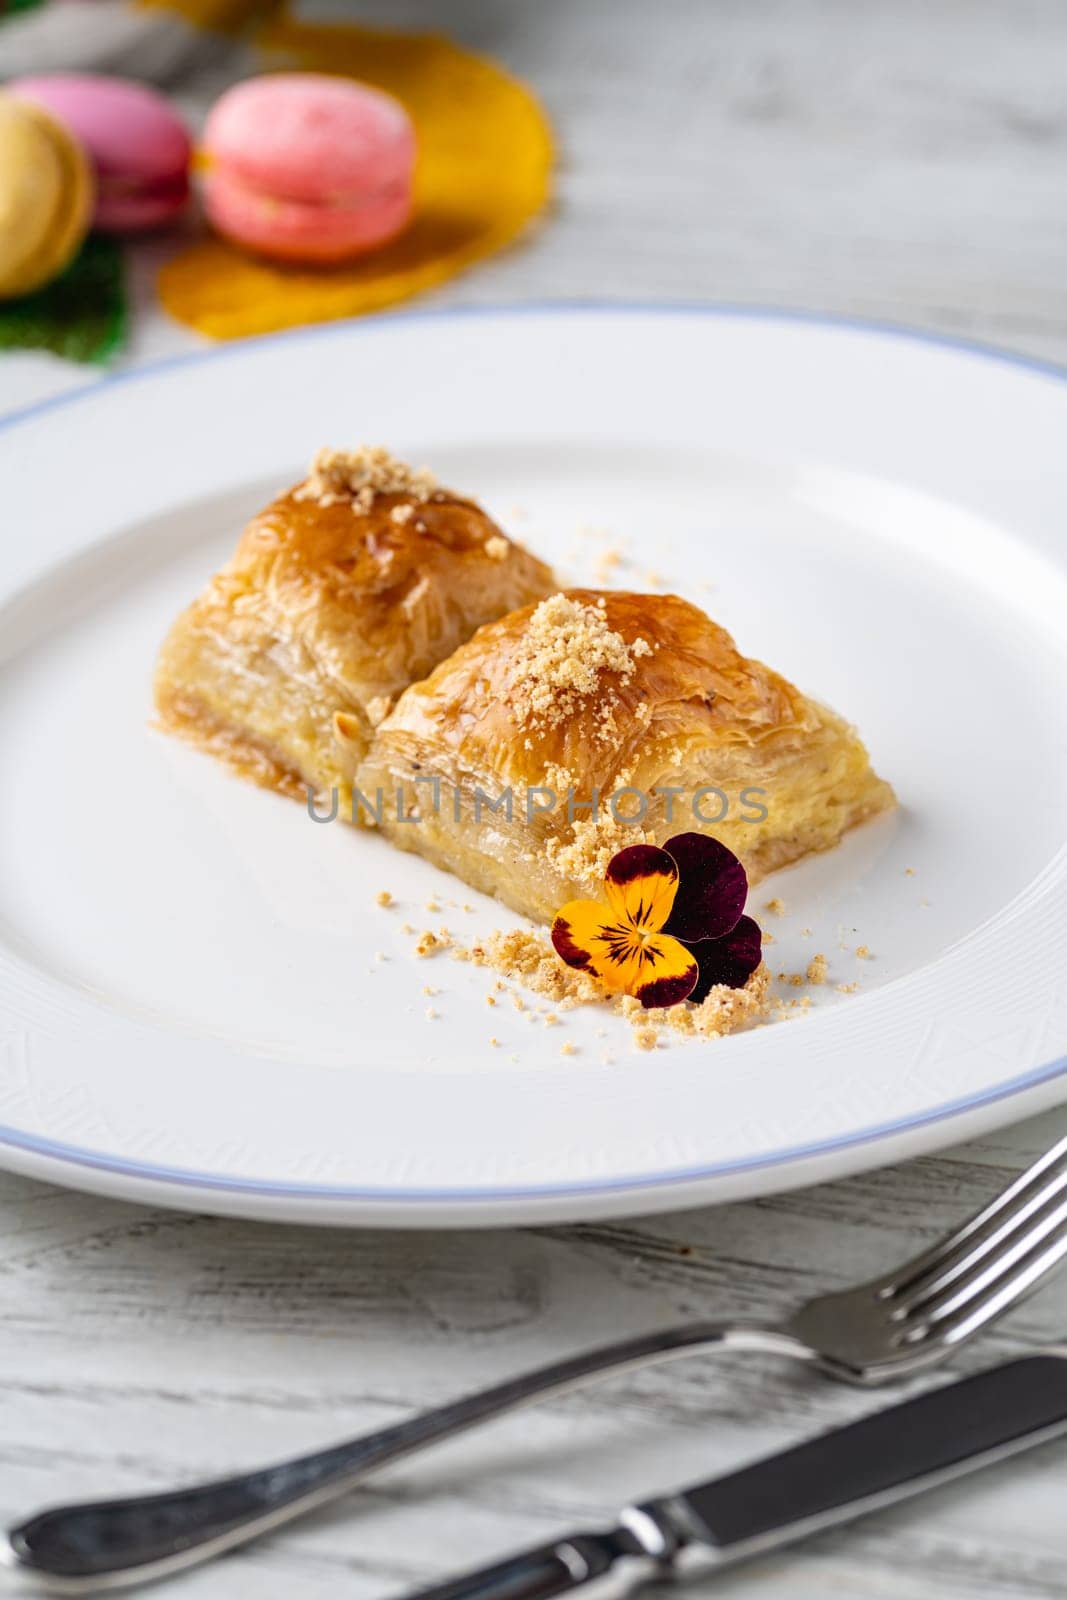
(485, 159)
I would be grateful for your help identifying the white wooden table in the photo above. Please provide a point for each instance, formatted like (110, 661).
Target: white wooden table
(886, 161)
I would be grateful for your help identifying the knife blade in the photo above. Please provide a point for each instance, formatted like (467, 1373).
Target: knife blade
(886, 1457)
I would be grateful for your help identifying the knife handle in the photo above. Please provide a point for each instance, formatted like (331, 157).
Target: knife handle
(543, 1572)
(879, 1460)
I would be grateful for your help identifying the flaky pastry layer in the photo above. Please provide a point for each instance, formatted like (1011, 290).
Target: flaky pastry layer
(296, 649)
(679, 709)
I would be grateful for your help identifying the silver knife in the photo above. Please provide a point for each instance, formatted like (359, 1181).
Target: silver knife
(869, 1464)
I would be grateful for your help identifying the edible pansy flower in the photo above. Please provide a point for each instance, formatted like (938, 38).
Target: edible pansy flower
(672, 926)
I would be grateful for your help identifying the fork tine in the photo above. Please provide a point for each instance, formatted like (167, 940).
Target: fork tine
(957, 1261)
(983, 1277)
(1008, 1291)
(1029, 1192)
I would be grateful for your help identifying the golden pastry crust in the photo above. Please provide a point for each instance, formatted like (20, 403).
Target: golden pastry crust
(333, 602)
(659, 698)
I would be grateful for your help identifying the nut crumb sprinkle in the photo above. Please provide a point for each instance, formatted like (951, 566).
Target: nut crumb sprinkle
(567, 1048)
(496, 547)
(864, 953)
(817, 968)
(383, 898)
(776, 907)
(560, 660)
(360, 475)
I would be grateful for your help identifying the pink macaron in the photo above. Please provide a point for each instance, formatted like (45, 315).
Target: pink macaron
(137, 143)
(304, 167)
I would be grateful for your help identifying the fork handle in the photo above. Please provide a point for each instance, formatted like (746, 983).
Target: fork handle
(110, 1544)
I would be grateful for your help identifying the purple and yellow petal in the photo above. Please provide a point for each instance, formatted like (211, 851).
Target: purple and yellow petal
(576, 930)
(731, 960)
(712, 889)
(641, 883)
(667, 972)
(659, 971)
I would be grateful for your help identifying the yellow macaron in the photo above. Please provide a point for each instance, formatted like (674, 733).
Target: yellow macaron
(46, 197)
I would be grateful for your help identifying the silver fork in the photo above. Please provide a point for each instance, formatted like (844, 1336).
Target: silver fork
(896, 1325)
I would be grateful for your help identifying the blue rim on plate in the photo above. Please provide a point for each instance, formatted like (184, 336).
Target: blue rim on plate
(73, 1155)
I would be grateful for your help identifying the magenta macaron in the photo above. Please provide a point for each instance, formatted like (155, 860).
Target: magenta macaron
(305, 167)
(135, 139)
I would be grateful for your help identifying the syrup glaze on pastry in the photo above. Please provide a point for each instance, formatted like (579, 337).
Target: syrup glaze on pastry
(601, 691)
(342, 592)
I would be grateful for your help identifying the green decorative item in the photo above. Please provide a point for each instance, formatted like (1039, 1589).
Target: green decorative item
(81, 315)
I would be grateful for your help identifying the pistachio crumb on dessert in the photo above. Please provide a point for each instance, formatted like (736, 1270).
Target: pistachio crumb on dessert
(496, 547)
(817, 968)
(527, 957)
(559, 660)
(360, 475)
(593, 841)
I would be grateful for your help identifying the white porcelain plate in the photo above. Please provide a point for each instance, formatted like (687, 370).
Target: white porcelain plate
(202, 1003)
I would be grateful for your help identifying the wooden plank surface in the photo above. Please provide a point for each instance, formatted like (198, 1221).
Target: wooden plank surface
(892, 160)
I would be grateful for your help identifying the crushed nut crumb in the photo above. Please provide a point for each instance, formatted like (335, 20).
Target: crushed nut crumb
(383, 898)
(560, 660)
(360, 475)
(496, 547)
(817, 968)
(776, 907)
